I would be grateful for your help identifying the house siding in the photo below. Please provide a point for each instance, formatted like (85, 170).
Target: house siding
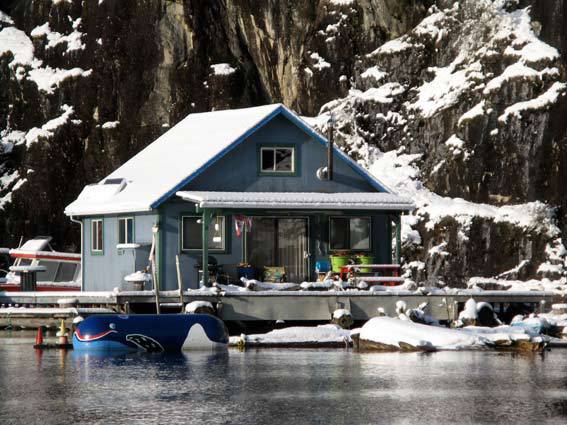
(239, 170)
(105, 271)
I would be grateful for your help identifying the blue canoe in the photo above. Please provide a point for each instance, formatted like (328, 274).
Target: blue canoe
(150, 332)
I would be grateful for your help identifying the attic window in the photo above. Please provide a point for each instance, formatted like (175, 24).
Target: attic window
(277, 160)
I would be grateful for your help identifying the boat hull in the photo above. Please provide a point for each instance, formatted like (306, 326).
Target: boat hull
(150, 333)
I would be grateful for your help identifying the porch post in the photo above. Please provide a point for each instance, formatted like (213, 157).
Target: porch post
(398, 222)
(206, 218)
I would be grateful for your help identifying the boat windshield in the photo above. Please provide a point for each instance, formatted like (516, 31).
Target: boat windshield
(66, 272)
(50, 270)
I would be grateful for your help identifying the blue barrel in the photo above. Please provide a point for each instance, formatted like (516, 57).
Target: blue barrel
(154, 333)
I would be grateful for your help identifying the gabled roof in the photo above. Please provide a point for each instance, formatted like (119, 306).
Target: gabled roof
(182, 153)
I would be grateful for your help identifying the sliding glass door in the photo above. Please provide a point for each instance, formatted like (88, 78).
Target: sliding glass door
(279, 242)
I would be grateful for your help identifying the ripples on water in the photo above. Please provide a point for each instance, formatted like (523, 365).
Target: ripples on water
(279, 386)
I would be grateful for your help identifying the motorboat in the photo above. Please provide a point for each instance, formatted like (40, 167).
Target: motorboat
(53, 270)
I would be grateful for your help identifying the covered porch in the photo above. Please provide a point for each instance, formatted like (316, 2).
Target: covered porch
(297, 232)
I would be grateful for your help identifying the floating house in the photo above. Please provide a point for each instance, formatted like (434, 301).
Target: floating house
(254, 191)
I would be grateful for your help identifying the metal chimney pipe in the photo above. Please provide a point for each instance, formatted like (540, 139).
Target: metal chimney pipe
(330, 149)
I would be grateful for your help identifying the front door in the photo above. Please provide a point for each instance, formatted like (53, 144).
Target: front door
(279, 242)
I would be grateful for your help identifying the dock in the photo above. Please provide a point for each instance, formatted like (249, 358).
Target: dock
(34, 308)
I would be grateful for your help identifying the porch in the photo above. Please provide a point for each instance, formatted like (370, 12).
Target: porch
(294, 233)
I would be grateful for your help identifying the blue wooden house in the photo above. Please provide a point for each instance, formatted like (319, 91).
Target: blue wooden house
(241, 186)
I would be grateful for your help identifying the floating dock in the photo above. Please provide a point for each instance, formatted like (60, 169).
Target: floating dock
(34, 308)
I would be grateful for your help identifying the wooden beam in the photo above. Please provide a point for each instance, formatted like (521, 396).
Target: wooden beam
(205, 222)
(398, 239)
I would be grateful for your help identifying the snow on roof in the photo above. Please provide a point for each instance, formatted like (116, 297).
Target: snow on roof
(299, 200)
(188, 148)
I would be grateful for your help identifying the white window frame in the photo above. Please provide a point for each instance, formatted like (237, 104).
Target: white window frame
(212, 223)
(125, 224)
(97, 247)
(273, 149)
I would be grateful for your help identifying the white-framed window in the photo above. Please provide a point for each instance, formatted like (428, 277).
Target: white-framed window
(350, 233)
(277, 159)
(125, 230)
(191, 233)
(97, 235)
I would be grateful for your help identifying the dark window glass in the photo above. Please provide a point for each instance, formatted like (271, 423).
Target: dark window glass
(339, 233)
(96, 235)
(284, 159)
(350, 233)
(121, 232)
(125, 230)
(50, 270)
(129, 230)
(360, 233)
(192, 233)
(267, 160)
(66, 272)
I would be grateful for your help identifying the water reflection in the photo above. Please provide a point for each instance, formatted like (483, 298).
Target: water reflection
(280, 386)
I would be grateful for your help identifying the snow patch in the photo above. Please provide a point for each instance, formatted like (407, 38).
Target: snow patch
(47, 130)
(223, 69)
(320, 63)
(543, 101)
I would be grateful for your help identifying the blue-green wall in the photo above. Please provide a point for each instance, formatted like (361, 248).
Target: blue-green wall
(238, 170)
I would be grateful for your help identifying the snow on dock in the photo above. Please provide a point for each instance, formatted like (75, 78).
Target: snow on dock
(297, 337)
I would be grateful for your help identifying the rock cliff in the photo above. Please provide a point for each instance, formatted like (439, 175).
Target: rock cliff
(458, 104)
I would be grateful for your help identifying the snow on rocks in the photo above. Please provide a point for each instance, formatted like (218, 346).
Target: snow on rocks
(48, 79)
(382, 94)
(17, 42)
(47, 130)
(319, 62)
(223, 69)
(390, 334)
(400, 172)
(4, 18)
(496, 60)
(447, 87)
(19, 45)
(73, 40)
(558, 286)
(109, 125)
(374, 73)
(543, 101)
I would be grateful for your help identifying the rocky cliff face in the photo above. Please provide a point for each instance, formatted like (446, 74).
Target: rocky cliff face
(458, 104)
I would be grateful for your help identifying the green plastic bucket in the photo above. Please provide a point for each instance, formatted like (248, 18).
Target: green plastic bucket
(365, 259)
(338, 261)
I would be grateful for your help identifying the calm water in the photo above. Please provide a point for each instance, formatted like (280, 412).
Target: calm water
(279, 386)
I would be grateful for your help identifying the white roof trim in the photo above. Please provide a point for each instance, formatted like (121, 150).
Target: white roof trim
(299, 200)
